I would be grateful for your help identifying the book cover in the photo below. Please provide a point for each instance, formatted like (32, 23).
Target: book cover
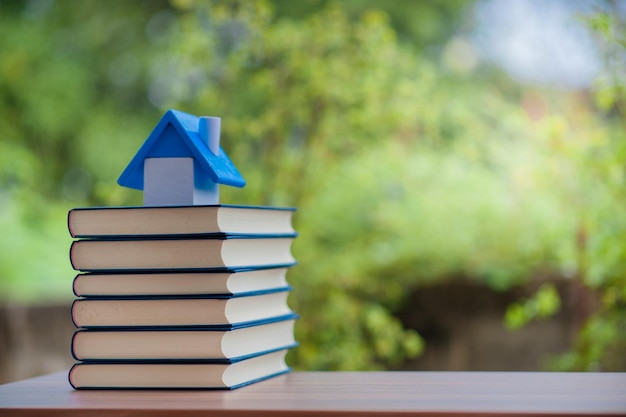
(87, 375)
(181, 254)
(196, 220)
(173, 284)
(224, 312)
(183, 345)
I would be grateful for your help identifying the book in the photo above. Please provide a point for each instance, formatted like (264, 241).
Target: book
(179, 221)
(87, 375)
(178, 283)
(219, 312)
(187, 254)
(182, 345)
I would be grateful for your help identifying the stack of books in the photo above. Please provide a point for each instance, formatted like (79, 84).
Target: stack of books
(180, 296)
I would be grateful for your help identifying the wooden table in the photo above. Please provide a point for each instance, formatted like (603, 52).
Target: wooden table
(339, 394)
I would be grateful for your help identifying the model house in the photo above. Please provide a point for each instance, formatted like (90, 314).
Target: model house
(181, 162)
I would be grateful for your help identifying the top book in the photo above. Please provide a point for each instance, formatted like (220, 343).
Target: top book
(95, 222)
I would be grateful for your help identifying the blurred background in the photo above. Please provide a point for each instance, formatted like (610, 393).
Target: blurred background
(459, 167)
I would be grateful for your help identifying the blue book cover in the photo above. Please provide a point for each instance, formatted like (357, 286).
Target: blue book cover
(228, 252)
(179, 221)
(210, 345)
(180, 283)
(219, 311)
(196, 375)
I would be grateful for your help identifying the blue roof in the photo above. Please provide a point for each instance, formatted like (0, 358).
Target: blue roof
(176, 136)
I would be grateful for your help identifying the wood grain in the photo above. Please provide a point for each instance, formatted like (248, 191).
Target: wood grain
(339, 394)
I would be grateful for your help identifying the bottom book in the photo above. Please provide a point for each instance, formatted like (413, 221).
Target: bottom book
(198, 375)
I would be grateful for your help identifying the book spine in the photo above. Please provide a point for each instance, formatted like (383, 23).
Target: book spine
(73, 315)
(74, 285)
(70, 378)
(73, 346)
(69, 222)
(74, 266)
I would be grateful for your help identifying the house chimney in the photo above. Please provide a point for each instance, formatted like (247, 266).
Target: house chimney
(209, 131)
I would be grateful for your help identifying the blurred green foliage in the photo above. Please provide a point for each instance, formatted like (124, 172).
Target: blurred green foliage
(601, 342)
(406, 171)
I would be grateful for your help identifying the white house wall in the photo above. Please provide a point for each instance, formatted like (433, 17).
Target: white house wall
(168, 181)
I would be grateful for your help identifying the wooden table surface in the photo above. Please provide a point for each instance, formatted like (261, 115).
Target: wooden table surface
(339, 394)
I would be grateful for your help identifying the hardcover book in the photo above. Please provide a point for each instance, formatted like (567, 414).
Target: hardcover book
(181, 254)
(218, 312)
(174, 284)
(88, 375)
(179, 221)
(135, 345)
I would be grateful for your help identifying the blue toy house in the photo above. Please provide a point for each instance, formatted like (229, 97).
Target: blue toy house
(181, 162)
